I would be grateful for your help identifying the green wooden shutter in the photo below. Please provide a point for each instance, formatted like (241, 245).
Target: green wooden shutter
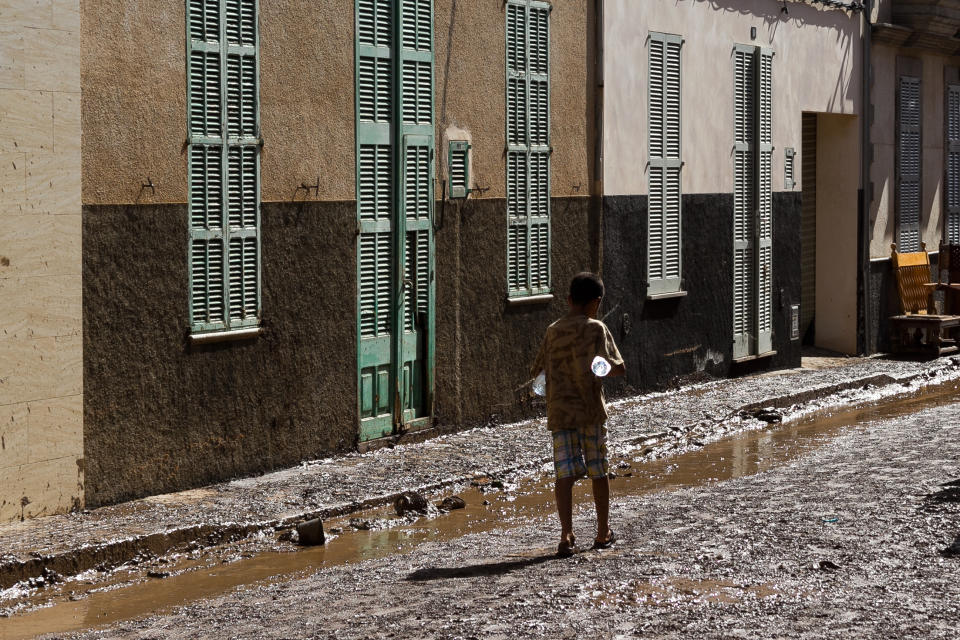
(528, 147)
(744, 201)
(517, 157)
(415, 237)
(223, 164)
(952, 173)
(789, 171)
(458, 168)
(908, 164)
(764, 201)
(376, 198)
(664, 207)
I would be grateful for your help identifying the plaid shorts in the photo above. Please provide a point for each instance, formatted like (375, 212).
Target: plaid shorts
(577, 454)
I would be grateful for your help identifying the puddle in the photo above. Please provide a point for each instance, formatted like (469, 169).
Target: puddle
(131, 595)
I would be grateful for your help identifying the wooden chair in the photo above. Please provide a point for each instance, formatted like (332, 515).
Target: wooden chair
(948, 277)
(919, 328)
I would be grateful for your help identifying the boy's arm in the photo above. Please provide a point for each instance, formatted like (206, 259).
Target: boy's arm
(539, 363)
(608, 349)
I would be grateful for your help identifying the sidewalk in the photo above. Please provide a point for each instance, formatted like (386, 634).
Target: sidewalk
(109, 536)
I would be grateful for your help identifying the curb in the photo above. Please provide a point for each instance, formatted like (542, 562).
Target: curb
(107, 555)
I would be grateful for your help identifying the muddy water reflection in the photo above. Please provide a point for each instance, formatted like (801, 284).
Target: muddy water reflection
(737, 456)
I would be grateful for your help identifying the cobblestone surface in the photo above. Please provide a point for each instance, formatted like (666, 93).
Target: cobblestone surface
(323, 487)
(843, 542)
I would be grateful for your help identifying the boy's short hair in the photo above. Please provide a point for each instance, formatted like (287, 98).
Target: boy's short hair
(585, 288)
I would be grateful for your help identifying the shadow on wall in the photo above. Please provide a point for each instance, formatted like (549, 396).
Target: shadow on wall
(774, 15)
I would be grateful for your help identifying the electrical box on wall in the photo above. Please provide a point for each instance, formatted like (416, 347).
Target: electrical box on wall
(794, 322)
(458, 165)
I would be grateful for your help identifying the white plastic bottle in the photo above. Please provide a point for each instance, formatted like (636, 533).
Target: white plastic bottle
(600, 366)
(539, 385)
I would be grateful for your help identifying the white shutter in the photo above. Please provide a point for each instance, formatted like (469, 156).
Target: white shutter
(744, 201)
(908, 164)
(664, 207)
(952, 177)
(765, 203)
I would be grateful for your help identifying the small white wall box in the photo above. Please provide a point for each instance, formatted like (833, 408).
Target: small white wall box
(458, 168)
(794, 322)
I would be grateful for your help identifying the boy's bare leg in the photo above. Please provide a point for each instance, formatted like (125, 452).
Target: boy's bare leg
(601, 498)
(563, 490)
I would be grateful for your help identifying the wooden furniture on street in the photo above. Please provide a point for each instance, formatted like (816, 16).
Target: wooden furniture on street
(919, 328)
(948, 277)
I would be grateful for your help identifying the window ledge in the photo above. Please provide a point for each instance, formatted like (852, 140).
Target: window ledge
(665, 296)
(226, 336)
(525, 300)
(766, 354)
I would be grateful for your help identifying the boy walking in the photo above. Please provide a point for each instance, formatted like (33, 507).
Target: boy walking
(575, 405)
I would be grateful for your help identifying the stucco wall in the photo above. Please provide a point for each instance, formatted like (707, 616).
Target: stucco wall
(815, 68)
(883, 135)
(134, 115)
(41, 380)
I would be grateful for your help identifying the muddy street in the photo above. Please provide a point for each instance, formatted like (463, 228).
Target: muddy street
(834, 525)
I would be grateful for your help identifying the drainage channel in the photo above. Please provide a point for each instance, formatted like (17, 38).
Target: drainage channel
(85, 603)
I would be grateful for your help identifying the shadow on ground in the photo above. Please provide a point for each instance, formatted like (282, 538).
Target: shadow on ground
(477, 570)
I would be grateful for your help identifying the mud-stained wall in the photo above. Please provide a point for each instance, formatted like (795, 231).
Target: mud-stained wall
(687, 339)
(41, 377)
(883, 136)
(484, 346)
(807, 38)
(162, 415)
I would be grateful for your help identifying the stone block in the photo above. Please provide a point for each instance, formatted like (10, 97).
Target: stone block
(40, 307)
(53, 183)
(26, 121)
(52, 60)
(55, 429)
(49, 487)
(14, 435)
(13, 183)
(40, 368)
(10, 493)
(66, 123)
(11, 58)
(39, 245)
(66, 15)
(27, 13)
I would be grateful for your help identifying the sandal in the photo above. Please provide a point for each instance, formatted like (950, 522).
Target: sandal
(567, 547)
(605, 544)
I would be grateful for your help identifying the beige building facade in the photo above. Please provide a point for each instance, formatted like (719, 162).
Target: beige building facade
(730, 217)
(41, 344)
(915, 144)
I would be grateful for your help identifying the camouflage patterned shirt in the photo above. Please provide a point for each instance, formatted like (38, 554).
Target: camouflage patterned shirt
(574, 394)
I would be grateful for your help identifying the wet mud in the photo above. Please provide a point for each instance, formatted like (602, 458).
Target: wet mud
(160, 583)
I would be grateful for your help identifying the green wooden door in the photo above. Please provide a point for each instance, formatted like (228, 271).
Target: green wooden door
(395, 168)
